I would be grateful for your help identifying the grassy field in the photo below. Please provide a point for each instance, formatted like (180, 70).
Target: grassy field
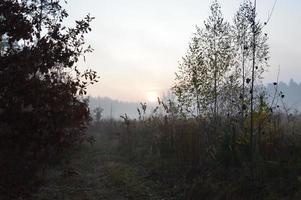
(159, 159)
(98, 171)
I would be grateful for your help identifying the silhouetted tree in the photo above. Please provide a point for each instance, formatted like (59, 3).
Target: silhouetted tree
(243, 38)
(42, 109)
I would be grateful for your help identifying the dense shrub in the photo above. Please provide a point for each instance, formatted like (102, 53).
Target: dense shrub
(42, 109)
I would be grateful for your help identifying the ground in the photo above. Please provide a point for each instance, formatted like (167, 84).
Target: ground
(97, 171)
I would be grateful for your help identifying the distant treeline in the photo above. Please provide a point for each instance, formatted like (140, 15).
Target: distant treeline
(292, 94)
(115, 108)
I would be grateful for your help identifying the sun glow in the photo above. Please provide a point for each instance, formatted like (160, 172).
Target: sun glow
(152, 96)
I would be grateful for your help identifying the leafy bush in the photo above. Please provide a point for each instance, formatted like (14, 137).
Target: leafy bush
(42, 109)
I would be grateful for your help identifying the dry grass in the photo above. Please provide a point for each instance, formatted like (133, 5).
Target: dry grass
(98, 171)
(165, 157)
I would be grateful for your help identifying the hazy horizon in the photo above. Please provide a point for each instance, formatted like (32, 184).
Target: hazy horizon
(139, 43)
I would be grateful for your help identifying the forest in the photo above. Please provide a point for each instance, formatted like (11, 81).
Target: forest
(219, 134)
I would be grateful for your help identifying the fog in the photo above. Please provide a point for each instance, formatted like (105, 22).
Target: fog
(139, 43)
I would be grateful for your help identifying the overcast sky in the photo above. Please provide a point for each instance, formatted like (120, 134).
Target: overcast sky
(138, 43)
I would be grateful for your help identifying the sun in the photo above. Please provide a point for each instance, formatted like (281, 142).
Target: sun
(152, 96)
